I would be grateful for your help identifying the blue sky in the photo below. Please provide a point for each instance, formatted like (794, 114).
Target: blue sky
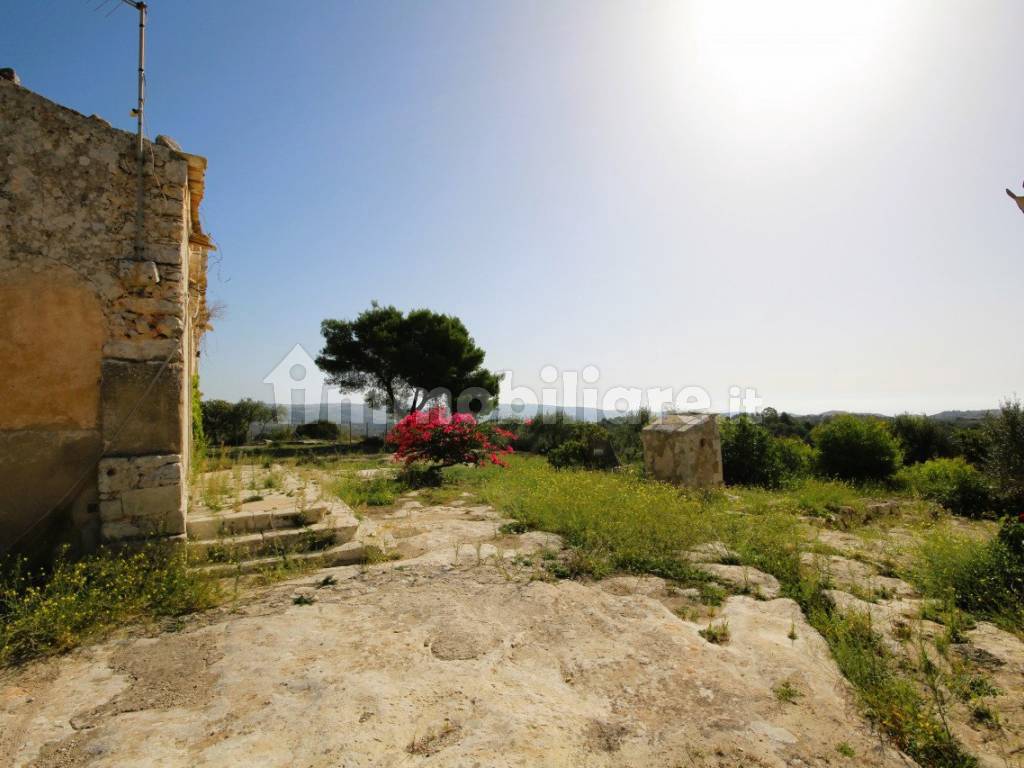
(807, 200)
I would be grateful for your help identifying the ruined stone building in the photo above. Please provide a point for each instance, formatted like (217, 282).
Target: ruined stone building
(684, 448)
(98, 341)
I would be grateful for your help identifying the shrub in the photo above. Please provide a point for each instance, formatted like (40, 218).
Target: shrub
(624, 434)
(971, 443)
(985, 578)
(589, 447)
(55, 611)
(318, 430)
(921, 438)
(953, 483)
(857, 449)
(752, 456)
(227, 423)
(198, 435)
(279, 433)
(443, 440)
(544, 433)
(1005, 463)
(795, 456)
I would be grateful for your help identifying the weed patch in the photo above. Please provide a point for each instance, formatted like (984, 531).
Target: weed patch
(44, 613)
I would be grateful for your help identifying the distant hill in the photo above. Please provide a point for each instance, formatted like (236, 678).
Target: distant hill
(963, 415)
(357, 413)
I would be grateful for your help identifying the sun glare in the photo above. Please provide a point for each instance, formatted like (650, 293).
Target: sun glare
(773, 61)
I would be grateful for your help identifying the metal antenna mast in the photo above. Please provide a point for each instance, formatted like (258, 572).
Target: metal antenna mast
(138, 113)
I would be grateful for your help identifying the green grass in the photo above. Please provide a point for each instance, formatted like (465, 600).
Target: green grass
(49, 613)
(718, 634)
(787, 693)
(968, 573)
(620, 522)
(821, 497)
(357, 492)
(892, 699)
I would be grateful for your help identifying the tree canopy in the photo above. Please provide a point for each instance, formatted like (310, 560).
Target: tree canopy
(227, 423)
(401, 361)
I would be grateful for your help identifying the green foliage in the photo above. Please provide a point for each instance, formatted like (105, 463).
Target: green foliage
(921, 438)
(198, 434)
(971, 443)
(588, 447)
(618, 522)
(786, 692)
(374, 492)
(615, 521)
(795, 457)
(227, 423)
(856, 449)
(751, 455)
(892, 701)
(543, 433)
(784, 425)
(717, 634)
(624, 433)
(844, 749)
(985, 578)
(318, 430)
(748, 454)
(622, 522)
(42, 613)
(1005, 462)
(953, 483)
(823, 497)
(402, 360)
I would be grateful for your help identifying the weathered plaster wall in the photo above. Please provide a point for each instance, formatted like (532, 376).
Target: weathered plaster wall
(52, 330)
(96, 344)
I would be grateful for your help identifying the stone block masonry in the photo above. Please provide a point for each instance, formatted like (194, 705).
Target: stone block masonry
(97, 343)
(685, 449)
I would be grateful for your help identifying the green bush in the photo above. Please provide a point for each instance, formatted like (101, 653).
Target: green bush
(571, 453)
(856, 449)
(921, 438)
(227, 423)
(543, 433)
(318, 430)
(752, 456)
(624, 432)
(953, 483)
(198, 435)
(589, 447)
(1005, 463)
(795, 456)
(52, 612)
(985, 578)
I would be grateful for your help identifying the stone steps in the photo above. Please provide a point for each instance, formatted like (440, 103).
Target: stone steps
(258, 535)
(349, 553)
(252, 521)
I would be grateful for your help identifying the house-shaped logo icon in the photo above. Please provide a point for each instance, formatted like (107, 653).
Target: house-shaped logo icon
(297, 382)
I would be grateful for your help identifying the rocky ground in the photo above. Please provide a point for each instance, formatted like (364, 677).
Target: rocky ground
(465, 653)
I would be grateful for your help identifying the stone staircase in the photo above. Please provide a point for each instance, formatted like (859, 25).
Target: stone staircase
(268, 530)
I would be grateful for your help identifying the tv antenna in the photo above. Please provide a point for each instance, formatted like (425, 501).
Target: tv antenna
(138, 114)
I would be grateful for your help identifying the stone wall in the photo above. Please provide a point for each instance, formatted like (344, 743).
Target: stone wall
(97, 344)
(684, 449)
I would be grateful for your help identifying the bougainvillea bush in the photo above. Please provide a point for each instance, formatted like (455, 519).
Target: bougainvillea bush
(440, 439)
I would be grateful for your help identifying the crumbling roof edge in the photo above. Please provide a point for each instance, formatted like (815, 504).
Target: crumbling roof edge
(196, 189)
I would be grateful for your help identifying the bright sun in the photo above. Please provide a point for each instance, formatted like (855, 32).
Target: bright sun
(772, 61)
